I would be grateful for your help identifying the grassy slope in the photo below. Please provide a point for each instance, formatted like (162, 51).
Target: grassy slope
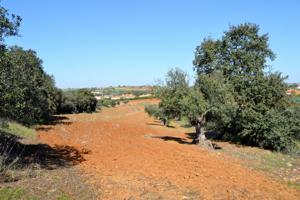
(19, 130)
(36, 183)
(11, 193)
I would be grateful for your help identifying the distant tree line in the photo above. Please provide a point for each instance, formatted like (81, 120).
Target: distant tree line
(27, 93)
(111, 103)
(111, 91)
(76, 101)
(108, 103)
(234, 95)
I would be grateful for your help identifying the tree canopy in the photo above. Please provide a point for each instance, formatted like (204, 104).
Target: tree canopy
(9, 26)
(235, 95)
(76, 101)
(171, 92)
(28, 93)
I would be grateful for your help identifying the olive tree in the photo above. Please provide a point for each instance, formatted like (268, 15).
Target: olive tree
(259, 95)
(9, 26)
(171, 92)
(209, 105)
(235, 95)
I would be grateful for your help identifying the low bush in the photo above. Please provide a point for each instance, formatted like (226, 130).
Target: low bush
(108, 103)
(76, 101)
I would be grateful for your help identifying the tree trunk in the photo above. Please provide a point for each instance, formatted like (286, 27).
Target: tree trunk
(165, 122)
(200, 133)
(200, 137)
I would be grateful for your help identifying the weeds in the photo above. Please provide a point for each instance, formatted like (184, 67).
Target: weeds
(63, 197)
(18, 130)
(11, 193)
(8, 161)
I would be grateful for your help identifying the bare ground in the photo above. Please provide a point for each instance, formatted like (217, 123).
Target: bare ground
(129, 155)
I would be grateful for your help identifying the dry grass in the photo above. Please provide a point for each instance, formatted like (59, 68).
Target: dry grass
(33, 171)
(51, 185)
(282, 167)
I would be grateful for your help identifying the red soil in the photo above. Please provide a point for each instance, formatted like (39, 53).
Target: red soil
(128, 157)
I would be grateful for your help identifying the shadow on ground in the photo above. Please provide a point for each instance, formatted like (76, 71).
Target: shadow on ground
(188, 140)
(54, 120)
(159, 124)
(12, 150)
(172, 138)
(57, 119)
(210, 135)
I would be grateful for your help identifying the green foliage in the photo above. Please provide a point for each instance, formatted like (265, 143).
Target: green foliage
(194, 105)
(9, 26)
(171, 93)
(175, 88)
(77, 101)
(27, 92)
(241, 51)
(156, 111)
(3, 123)
(116, 91)
(251, 105)
(135, 98)
(218, 95)
(233, 94)
(271, 130)
(18, 130)
(108, 103)
(295, 99)
(63, 197)
(11, 194)
(152, 110)
(138, 92)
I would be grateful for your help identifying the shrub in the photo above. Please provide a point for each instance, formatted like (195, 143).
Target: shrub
(77, 101)
(108, 103)
(154, 110)
(261, 114)
(27, 92)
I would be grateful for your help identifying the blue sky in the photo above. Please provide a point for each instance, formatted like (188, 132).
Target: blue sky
(102, 43)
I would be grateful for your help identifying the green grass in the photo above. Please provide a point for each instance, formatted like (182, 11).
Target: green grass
(11, 193)
(19, 130)
(19, 193)
(64, 197)
(144, 104)
(14, 128)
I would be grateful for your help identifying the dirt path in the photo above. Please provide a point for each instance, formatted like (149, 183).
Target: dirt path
(133, 157)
